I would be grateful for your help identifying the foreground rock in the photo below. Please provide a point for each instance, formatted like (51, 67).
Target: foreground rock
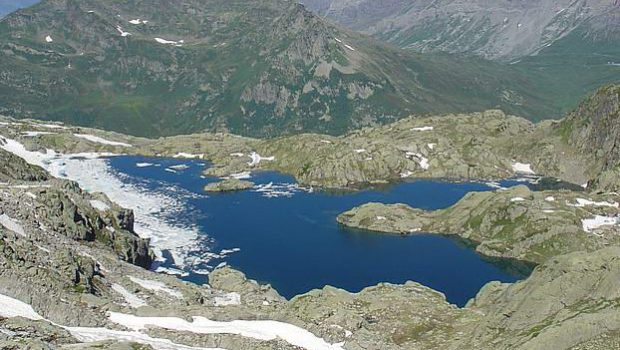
(510, 223)
(72, 256)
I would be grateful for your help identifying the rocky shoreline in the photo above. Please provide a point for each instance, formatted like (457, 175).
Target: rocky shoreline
(73, 276)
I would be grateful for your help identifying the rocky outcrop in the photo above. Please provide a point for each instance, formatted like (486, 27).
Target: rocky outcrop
(229, 185)
(512, 223)
(594, 128)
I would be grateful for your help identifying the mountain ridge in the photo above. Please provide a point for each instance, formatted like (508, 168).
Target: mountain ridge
(258, 68)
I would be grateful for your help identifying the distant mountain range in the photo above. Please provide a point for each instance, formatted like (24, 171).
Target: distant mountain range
(258, 68)
(501, 29)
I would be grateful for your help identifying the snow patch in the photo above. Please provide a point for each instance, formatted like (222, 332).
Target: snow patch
(123, 33)
(228, 299)
(188, 155)
(99, 205)
(423, 128)
(260, 330)
(36, 133)
(597, 222)
(131, 299)
(10, 307)
(420, 159)
(406, 174)
(49, 39)
(522, 168)
(582, 202)
(169, 42)
(257, 158)
(97, 139)
(156, 286)
(12, 225)
(241, 176)
(138, 21)
(144, 165)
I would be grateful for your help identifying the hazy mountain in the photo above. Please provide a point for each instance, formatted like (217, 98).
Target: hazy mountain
(258, 68)
(501, 29)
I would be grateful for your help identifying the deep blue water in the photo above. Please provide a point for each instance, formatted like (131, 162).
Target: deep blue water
(295, 244)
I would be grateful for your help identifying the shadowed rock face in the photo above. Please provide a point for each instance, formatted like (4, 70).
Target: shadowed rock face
(595, 126)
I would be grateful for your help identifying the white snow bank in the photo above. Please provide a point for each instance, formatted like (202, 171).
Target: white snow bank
(361, 150)
(49, 39)
(138, 21)
(10, 307)
(97, 139)
(420, 159)
(598, 221)
(257, 158)
(188, 155)
(169, 42)
(87, 335)
(550, 199)
(123, 33)
(241, 176)
(12, 225)
(36, 133)
(131, 299)
(522, 168)
(50, 126)
(228, 299)
(423, 128)
(349, 47)
(582, 202)
(406, 174)
(99, 205)
(144, 165)
(34, 158)
(156, 286)
(260, 330)
(517, 199)
(431, 146)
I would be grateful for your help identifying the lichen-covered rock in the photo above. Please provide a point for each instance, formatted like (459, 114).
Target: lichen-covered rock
(510, 223)
(229, 185)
